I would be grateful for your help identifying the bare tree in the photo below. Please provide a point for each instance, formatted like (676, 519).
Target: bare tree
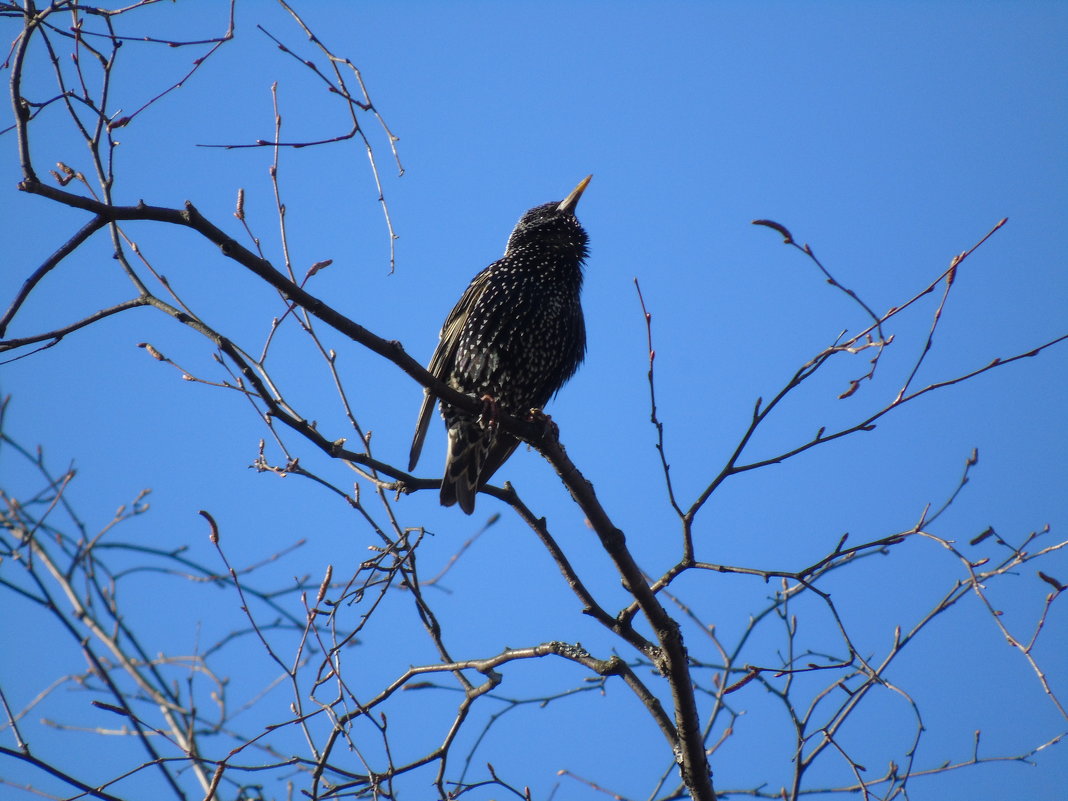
(424, 716)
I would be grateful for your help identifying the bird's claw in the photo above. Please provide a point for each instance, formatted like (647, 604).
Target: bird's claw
(490, 411)
(538, 416)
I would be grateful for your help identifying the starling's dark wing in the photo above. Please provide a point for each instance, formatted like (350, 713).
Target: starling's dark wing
(444, 356)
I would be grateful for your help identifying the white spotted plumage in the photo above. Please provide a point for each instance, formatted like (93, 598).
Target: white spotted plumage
(516, 336)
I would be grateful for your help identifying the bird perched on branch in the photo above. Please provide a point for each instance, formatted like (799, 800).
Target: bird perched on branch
(513, 339)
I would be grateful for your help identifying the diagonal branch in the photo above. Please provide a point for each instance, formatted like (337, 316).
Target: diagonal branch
(49, 264)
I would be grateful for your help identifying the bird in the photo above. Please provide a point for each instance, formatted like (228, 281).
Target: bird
(514, 338)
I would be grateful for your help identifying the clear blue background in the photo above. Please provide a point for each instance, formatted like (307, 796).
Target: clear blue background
(888, 136)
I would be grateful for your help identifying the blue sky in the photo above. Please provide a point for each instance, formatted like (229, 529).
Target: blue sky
(888, 136)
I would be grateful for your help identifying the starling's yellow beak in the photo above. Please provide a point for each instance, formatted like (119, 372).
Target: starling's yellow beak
(568, 203)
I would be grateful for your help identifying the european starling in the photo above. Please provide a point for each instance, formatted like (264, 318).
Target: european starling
(514, 338)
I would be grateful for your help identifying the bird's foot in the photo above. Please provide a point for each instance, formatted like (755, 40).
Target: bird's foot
(538, 416)
(490, 412)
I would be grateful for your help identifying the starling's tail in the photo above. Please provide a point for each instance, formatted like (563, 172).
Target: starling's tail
(474, 455)
(467, 451)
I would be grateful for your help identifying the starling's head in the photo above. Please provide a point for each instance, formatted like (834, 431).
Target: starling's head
(553, 226)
